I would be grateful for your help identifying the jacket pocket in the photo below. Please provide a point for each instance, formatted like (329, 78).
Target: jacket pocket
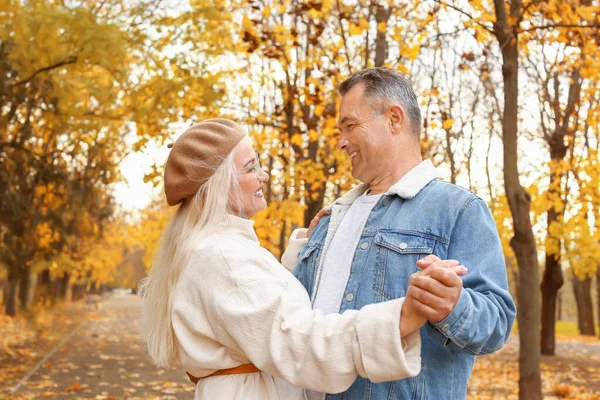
(308, 258)
(419, 385)
(307, 251)
(396, 260)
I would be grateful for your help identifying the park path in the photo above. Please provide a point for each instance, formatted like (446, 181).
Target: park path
(106, 359)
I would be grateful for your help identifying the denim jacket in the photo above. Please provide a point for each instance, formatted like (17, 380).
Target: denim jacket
(422, 215)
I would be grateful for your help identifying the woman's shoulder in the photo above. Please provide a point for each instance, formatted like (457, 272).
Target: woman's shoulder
(220, 243)
(221, 249)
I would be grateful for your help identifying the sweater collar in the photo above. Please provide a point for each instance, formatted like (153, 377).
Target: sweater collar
(407, 187)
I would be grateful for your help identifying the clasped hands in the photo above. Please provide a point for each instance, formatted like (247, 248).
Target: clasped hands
(432, 293)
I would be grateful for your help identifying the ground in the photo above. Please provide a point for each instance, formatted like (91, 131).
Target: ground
(82, 352)
(103, 358)
(573, 373)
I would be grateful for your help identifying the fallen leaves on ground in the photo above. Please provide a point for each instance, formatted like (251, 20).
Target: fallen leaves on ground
(571, 374)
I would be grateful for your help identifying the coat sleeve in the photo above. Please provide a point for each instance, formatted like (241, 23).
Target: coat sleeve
(282, 336)
(290, 255)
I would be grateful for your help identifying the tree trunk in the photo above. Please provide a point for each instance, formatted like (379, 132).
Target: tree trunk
(523, 243)
(10, 305)
(313, 204)
(56, 289)
(559, 306)
(44, 283)
(27, 289)
(67, 288)
(513, 282)
(282, 237)
(381, 44)
(59, 287)
(598, 296)
(450, 154)
(552, 282)
(585, 309)
(23, 289)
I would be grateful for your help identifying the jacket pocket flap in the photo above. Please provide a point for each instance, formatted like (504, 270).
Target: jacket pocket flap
(306, 251)
(405, 243)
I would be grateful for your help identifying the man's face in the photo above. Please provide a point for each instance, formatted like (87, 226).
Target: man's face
(364, 134)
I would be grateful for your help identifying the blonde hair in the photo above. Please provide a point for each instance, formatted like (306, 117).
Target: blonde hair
(196, 218)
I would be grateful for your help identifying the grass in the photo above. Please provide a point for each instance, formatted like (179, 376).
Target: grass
(566, 330)
(569, 329)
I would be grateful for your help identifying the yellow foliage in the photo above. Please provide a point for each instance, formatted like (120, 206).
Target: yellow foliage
(447, 124)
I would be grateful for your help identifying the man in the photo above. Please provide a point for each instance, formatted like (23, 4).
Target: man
(400, 214)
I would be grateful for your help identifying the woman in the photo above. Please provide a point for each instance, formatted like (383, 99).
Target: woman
(222, 305)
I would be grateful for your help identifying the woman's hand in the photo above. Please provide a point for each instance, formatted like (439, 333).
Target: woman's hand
(315, 221)
(413, 317)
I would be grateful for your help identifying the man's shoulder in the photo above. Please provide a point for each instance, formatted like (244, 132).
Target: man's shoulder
(446, 191)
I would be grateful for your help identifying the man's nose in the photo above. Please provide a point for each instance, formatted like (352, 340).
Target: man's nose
(342, 142)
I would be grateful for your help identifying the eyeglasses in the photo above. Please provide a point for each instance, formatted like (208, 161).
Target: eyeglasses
(254, 167)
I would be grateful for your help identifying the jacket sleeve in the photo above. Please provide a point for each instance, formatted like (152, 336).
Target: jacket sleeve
(262, 319)
(290, 255)
(484, 315)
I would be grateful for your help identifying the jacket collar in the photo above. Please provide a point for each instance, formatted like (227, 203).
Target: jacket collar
(407, 187)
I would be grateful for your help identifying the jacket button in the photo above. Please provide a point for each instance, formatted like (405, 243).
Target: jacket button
(364, 245)
(403, 246)
(349, 297)
(445, 327)
(386, 201)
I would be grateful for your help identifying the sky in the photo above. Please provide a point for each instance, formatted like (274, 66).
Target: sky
(132, 194)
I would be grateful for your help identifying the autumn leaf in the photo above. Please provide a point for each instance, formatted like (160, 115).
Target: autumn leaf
(74, 388)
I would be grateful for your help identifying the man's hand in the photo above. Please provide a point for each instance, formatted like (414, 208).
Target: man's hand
(415, 311)
(435, 290)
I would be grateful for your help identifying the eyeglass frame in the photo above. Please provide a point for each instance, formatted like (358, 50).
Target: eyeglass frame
(255, 166)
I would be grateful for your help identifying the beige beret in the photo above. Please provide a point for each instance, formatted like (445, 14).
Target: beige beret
(196, 154)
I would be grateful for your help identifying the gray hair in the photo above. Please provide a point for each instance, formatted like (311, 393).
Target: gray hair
(383, 87)
(196, 218)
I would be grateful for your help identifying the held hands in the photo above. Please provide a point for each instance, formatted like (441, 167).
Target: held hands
(432, 293)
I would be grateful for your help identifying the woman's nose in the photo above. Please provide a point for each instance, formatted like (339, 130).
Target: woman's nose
(264, 175)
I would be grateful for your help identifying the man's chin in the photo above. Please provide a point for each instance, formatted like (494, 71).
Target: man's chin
(357, 173)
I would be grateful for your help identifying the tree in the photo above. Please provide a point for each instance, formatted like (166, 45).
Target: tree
(511, 23)
(76, 79)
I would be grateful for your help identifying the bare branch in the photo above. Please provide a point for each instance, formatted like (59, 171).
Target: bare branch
(553, 26)
(68, 60)
(343, 33)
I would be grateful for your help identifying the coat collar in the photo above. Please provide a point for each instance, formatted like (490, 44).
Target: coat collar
(241, 225)
(407, 187)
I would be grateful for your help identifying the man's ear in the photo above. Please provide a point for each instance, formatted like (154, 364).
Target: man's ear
(396, 118)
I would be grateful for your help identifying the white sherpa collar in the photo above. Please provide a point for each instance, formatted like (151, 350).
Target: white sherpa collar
(407, 187)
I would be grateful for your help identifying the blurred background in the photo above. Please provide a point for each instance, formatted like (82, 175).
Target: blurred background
(92, 91)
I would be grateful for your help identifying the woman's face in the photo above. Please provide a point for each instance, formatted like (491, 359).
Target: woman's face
(250, 178)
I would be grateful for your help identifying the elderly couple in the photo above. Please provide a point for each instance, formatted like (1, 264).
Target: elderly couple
(370, 302)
